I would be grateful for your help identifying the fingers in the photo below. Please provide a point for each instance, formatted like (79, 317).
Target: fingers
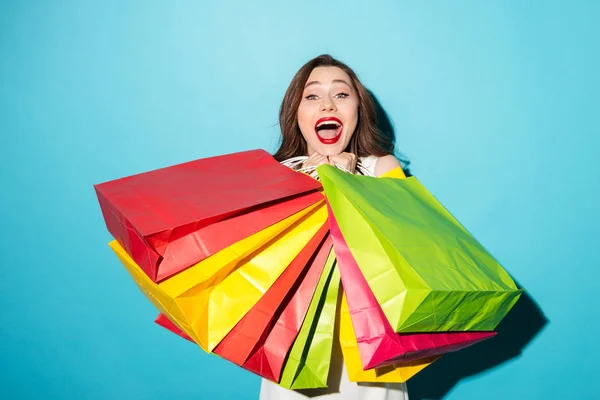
(345, 160)
(315, 160)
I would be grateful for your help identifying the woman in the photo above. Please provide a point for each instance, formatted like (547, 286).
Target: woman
(329, 116)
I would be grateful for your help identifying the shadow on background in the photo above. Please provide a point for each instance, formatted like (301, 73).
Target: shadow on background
(386, 128)
(522, 324)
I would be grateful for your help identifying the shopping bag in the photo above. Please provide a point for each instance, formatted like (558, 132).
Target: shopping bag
(207, 300)
(307, 364)
(268, 360)
(165, 322)
(378, 344)
(394, 373)
(268, 357)
(426, 271)
(396, 173)
(172, 218)
(253, 328)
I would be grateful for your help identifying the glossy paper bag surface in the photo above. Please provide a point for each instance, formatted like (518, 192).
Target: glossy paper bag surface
(267, 358)
(427, 272)
(164, 218)
(232, 280)
(378, 344)
(393, 373)
(307, 365)
(238, 345)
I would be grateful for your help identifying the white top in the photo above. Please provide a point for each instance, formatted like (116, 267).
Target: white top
(369, 163)
(339, 387)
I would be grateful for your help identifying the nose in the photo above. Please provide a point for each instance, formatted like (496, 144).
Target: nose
(328, 105)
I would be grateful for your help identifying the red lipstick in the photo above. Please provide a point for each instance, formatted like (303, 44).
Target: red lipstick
(336, 137)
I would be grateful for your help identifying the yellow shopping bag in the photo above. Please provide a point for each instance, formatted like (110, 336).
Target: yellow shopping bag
(390, 374)
(394, 173)
(207, 300)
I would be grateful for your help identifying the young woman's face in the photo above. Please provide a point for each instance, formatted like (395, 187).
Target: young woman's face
(328, 112)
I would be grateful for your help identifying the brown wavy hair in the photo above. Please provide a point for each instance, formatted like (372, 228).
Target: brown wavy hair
(366, 141)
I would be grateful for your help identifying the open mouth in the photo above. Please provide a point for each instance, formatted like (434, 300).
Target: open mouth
(329, 130)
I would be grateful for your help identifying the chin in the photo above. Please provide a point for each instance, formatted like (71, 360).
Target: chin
(330, 150)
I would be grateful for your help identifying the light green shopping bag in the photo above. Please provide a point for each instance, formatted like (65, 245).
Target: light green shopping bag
(307, 365)
(426, 271)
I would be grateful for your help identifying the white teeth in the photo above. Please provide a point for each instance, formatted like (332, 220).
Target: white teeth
(329, 122)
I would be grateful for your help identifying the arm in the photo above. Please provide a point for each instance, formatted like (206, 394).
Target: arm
(386, 164)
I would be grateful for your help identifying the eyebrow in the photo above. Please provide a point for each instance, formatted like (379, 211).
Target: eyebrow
(318, 83)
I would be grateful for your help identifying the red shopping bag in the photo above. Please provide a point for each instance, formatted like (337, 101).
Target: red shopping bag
(269, 358)
(237, 346)
(166, 323)
(378, 344)
(261, 340)
(172, 218)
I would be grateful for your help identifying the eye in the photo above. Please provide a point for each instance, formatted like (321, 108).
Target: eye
(342, 95)
(311, 97)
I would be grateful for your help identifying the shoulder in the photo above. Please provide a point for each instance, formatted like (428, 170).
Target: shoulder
(386, 164)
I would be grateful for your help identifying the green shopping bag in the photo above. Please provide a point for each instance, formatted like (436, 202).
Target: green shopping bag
(307, 365)
(426, 271)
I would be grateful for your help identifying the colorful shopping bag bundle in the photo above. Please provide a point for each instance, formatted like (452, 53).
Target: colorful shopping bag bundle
(247, 258)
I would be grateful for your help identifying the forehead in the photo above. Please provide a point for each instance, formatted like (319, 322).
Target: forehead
(326, 75)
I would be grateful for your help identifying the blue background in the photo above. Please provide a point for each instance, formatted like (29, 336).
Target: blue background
(493, 102)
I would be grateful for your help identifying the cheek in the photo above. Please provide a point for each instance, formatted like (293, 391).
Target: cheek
(305, 118)
(351, 113)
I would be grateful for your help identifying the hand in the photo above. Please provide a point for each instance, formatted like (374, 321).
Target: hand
(344, 160)
(315, 160)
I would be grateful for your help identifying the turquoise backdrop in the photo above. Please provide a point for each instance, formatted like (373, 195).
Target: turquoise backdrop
(493, 102)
